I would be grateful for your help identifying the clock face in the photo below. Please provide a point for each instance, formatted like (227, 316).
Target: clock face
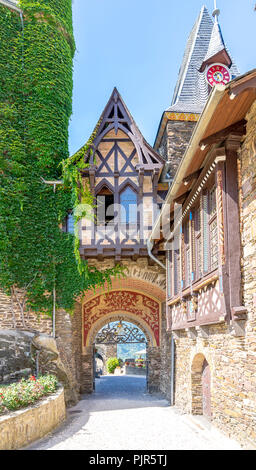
(217, 73)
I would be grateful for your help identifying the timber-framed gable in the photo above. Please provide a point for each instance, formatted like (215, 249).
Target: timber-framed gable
(123, 172)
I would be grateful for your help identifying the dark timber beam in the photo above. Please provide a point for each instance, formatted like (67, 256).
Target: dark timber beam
(191, 177)
(239, 128)
(233, 226)
(242, 85)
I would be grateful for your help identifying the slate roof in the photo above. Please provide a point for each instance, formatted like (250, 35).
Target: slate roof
(205, 40)
(216, 42)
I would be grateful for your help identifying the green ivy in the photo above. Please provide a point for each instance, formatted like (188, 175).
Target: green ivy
(35, 108)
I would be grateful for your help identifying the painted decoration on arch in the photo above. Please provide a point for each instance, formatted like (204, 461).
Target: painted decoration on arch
(140, 305)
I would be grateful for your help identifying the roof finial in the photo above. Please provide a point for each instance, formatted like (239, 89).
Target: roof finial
(216, 11)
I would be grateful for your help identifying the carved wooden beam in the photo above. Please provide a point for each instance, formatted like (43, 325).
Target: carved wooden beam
(233, 142)
(206, 283)
(233, 230)
(242, 85)
(141, 180)
(239, 128)
(92, 180)
(191, 177)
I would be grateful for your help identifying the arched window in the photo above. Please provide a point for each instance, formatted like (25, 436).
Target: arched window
(128, 201)
(105, 206)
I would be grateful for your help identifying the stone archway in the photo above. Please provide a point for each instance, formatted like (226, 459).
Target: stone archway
(129, 305)
(201, 386)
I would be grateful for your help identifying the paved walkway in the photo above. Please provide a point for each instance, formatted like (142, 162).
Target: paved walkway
(121, 416)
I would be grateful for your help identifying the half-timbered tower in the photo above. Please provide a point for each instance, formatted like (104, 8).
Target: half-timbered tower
(123, 173)
(206, 61)
(210, 263)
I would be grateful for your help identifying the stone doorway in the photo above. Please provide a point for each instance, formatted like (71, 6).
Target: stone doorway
(201, 386)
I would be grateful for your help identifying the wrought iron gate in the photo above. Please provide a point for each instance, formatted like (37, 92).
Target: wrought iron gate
(120, 333)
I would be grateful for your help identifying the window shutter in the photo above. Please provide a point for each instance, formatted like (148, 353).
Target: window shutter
(205, 233)
(169, 266)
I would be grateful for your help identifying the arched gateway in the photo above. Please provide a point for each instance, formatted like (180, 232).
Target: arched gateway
(124, 304)
(124, 174)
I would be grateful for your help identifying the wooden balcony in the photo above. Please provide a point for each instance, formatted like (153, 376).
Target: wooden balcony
(199, 305)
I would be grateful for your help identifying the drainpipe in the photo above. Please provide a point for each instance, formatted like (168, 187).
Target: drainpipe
(53, 183)
(172, 369)
(150, 245)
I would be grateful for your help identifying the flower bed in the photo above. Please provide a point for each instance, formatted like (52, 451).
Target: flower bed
(26, 392)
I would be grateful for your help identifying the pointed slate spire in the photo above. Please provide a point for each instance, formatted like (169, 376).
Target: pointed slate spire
(205, 45)
(217, 51)
(191, 91)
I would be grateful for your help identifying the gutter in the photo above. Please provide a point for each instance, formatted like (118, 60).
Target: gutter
(197, 135)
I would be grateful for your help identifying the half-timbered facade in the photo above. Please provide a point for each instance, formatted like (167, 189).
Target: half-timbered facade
(191, 293)
(123, 173)
(210, 289)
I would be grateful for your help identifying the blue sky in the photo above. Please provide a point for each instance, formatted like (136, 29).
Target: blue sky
(137, 46)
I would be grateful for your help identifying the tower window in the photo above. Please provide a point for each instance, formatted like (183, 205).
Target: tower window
(128, 201)
(105, 206)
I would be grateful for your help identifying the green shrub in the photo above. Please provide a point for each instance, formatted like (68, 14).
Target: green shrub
(26, 392)
(112, 363)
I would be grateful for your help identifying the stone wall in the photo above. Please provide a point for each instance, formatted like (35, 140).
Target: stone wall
(139, 270)
(16, 338)
(175, 142)
(165, 370)
(154, 369)
(78, 364)
(69, 343)
(15, 355)
(22, 427)
(11, 318)
(232, 359)
(129, 370)
(106, 351)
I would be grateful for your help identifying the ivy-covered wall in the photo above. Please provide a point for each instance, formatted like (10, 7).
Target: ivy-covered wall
(36, 50)
(11, 109)
(36, 257)
(47, 76)
(36, 82)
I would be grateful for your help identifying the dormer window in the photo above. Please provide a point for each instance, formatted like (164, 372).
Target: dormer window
(128, 201)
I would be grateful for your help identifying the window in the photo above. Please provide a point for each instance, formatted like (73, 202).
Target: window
(198, 244)
(169, 274)
(128, 201)
(105, 207)
(70, 223)
(213, 229)
(176, 271)
(210, 230)
(187, 254)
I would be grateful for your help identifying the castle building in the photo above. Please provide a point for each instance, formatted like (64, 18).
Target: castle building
(210, 252)
(124, 176)
(205, 47)
(193, 293)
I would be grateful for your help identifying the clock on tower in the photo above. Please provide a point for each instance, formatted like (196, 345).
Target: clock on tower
(217, 74)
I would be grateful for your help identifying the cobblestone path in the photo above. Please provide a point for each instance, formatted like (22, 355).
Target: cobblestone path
(120, 415)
